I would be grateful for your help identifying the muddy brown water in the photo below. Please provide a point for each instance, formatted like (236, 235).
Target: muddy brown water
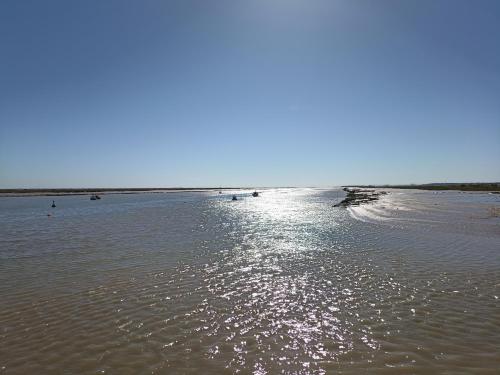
(191, 283)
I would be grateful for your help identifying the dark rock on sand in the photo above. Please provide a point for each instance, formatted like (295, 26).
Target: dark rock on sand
(356, 197)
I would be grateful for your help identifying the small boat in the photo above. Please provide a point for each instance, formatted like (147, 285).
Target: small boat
(53, 204)
(255, 194)
(235, 198)
(97, 197)
(93, 197)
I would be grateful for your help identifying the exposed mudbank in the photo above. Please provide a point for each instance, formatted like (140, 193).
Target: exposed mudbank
(356, 197)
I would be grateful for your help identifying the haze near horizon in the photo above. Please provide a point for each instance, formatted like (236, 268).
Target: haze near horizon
(257, 93)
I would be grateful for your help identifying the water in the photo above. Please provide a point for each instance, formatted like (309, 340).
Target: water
(283, 283)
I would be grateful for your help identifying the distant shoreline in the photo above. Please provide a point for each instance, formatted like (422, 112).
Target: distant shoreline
(479, 186)
(90, 191)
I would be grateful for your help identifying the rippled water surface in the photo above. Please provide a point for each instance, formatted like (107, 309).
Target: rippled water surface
(284, 283)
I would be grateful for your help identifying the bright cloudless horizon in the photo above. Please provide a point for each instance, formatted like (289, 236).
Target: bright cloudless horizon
(248, 93)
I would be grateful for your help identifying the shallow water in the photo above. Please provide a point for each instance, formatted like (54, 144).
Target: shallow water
(283, 283)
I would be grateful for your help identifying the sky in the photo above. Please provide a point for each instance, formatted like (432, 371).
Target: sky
(166, 93)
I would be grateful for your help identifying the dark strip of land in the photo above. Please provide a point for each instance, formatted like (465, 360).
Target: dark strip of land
(480, 186)
(86, 191)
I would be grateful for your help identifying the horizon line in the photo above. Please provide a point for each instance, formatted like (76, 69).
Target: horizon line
(233, 187)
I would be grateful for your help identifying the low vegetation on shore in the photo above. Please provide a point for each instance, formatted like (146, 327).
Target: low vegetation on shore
(480, 186)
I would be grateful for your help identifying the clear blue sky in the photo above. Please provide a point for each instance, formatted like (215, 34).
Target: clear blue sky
(111, 93)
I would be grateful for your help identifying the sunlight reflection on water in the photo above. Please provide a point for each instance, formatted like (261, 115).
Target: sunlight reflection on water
(280, 283)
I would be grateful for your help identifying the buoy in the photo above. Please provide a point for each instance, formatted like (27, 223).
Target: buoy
(53, 204)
